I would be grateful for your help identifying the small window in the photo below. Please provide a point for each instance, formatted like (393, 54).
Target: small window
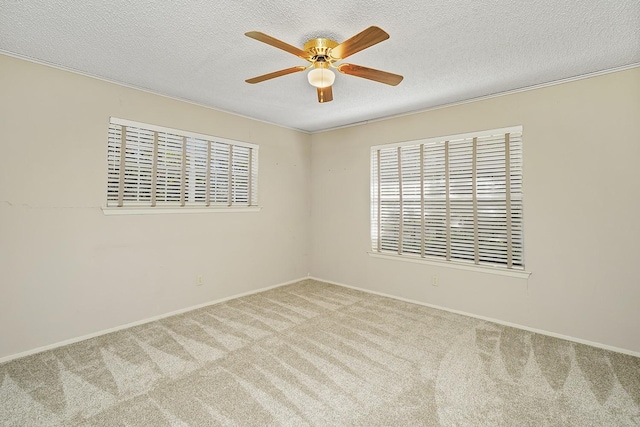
(154, 167)
(456, 198)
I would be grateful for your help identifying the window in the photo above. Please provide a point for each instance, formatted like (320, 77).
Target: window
(155, 167)
(456, 199)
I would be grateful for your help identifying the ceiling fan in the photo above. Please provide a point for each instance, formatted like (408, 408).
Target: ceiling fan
(322, 54)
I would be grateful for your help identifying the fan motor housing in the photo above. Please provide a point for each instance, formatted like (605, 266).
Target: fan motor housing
(319, 47)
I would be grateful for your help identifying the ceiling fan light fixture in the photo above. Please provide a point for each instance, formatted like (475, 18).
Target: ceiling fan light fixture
(322, 53)
(321, 77)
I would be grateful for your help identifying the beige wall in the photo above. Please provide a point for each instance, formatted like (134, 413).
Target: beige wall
(66, 270)
(582, 198)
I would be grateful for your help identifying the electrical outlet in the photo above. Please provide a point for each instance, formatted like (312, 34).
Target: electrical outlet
(435, 281)
(199, 280)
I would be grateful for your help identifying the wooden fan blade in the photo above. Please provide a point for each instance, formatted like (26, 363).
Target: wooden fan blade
(325, 94)
(264, 38)
(371, 74)
(275, 74)
(360, 41)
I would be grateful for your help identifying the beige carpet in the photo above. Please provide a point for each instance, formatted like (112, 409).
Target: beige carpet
(318, 354)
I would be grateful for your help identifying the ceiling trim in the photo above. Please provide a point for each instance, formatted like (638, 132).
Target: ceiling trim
(494, 95)
(130, 86)
(409, 113)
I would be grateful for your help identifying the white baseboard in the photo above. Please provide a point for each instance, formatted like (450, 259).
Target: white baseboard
(206, 304)
(489, 319)
(140, 322)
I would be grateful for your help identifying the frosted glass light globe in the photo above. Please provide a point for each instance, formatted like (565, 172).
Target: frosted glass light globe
(321, 77)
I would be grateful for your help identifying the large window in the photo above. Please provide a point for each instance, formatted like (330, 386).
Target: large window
(151, 166)
(456, 198)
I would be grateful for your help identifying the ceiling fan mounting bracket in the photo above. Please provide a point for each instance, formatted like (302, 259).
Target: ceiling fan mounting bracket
(320, 48)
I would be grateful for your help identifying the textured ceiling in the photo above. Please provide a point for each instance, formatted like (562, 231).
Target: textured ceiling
(447, 50)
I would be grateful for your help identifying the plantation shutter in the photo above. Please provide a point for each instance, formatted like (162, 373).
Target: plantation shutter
(492, 206)
(389, 182)
(514, 155)
(457, 199)
(196, 171)
(241, 184)
(220, 174)
(411, 200)
(253, 176)
(169, 170)
(113, 164)
(132, 183)
(461, 200)
(153, 166)
(435, 207)
(375, 200)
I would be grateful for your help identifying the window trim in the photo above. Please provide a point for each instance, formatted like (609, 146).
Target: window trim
(427, 259)
(145, 208)
(457, 265)
(162, 129)
(479, 133)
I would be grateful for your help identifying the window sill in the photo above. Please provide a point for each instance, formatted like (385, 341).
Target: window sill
(520, 274)
(111, 210)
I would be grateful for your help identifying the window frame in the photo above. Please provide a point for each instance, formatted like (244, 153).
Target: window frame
(180, 204)
(376, 199)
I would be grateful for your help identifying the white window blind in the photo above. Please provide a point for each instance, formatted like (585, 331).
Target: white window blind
(456, 198)
(153, 166)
